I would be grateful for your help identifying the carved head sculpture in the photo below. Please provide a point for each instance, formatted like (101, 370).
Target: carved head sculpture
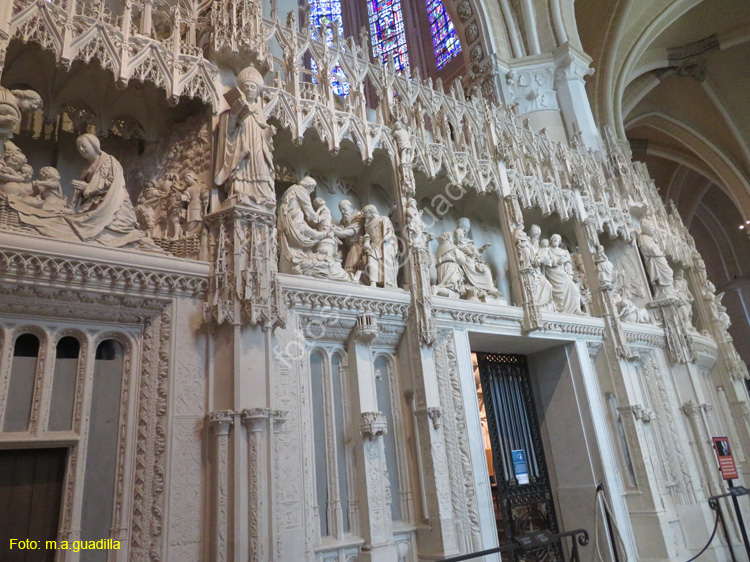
(250, 82)
(600, 255)
(444, 238)
(15, 159)
(346, 208)
(464, 224)
(318, 203)
(544, 243)
(648, 227)
(49, 173)
(88, 146)
(535, 232)
(370, 212)
(10, 113)
(555, 240)
(308, 183)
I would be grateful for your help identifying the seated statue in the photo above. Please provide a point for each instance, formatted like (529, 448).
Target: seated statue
(460, 269)
(105, 214)
(448, 260)
(477, 272)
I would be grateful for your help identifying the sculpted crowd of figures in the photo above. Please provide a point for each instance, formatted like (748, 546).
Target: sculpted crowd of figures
(363, 247)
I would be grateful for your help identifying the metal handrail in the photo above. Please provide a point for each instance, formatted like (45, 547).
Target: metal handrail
(532, 541)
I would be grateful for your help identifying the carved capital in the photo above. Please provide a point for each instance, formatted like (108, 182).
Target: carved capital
(373, 424)
(433, 413)
(691, 409)
(255, 419)
(220, 420)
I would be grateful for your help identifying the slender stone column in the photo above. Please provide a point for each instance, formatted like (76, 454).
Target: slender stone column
(221, 422)
(256, 422)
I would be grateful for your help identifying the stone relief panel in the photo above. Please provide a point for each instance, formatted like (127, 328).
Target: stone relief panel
(97, 207)
(293, 521)
(188, 480)
(461, 269)
(187, 491)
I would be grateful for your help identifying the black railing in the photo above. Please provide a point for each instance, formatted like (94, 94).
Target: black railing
(713, 503)
(541, 540)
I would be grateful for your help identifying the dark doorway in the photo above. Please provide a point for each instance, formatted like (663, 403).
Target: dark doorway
(31, 482)
(521, 489)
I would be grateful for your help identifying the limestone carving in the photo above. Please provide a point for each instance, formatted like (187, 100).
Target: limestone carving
(379, 248)
(461, 270)
(659, 272)
(104, 213)
(245, 150)
(686, 297)
(604, 268)
(416, 231)
(718, 310)
(557, 266)
(543, 295)
(350, 230)
(299, 237)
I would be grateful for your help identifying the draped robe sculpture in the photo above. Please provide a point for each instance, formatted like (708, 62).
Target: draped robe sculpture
(380, 247)
(245, 151)
(659, 272)
(558, 269)
(106, 214)
(298, 238)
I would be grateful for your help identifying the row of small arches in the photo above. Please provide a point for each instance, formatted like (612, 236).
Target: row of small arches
(25, 370)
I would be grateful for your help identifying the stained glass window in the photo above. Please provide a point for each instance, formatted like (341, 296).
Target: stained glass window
(387, 32)
(327, 13)
(444, 38)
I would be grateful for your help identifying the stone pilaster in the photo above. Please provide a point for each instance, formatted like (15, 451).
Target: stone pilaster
(437, 538)
(373, 491)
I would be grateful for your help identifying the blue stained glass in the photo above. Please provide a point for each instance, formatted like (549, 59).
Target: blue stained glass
(444, 38)
(387, 32)
(327, 13)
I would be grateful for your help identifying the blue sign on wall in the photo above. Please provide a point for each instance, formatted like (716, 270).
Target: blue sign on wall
(519, 466)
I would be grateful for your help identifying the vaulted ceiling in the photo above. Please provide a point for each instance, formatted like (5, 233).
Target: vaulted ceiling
(672, 77)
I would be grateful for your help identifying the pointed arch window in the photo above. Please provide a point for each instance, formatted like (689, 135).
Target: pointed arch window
(326, 14)
(444, 38)
(387, 32)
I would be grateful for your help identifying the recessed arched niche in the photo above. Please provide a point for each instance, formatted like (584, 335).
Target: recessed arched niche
(22, 378)
(102, 444)
(67, 357)
(443, 203)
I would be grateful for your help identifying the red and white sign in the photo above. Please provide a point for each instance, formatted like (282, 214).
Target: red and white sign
(726, 460)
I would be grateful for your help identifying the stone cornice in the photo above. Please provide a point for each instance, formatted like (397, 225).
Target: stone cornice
(87, 267)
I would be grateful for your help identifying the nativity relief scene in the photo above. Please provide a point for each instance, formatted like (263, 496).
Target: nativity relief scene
(282, 286)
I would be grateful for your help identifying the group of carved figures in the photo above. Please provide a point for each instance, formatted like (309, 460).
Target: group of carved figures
(173, 209)
(461, 269)
(558, 286)
(101, 210)
(362, 248)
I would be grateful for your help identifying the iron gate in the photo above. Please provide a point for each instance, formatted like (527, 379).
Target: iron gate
(513, 425)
